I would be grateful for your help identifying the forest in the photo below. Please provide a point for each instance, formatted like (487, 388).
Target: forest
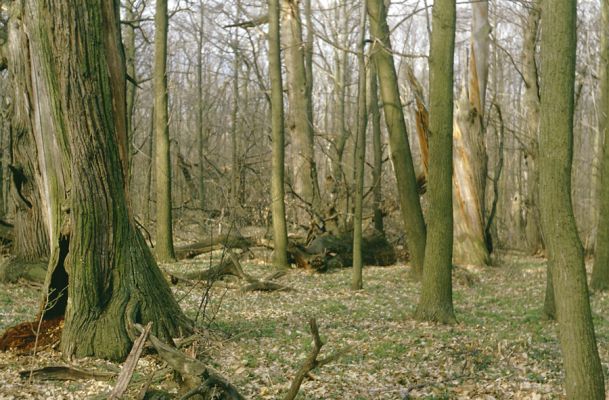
(304, 199)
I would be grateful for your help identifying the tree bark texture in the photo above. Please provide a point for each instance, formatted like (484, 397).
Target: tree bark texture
(164, 225)
(300, 80)
(78, 100)
(469, 156)
(435, 303)
(410, 206)
(280, 233)
(583, 371)
(377, 169)
(600, 271)
(30, 235)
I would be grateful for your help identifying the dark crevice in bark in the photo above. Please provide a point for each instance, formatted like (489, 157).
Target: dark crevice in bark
(19, 180)
(58, 289)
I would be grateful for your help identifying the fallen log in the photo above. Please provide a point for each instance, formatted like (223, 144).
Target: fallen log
(329, 251)
(231, 241)
(11, 270)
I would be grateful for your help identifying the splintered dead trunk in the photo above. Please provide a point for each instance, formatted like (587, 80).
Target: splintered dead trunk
(583, 370)
(31, 242)
(469, 157)
(78, 116)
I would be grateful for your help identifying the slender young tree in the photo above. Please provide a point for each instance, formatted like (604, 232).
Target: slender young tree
(435, 303)
(583, 371)
(412, 215)
(101, 274)
(164, 224)
(377, 170)
(600, 271)
(360, 155)
(200, 128)
(280, 235)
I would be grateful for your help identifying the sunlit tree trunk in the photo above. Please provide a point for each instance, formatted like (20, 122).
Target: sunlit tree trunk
(469, 157)
(78, 115)
(435, 303)
(30, 237)
(360, 156)
(600, 272)
(280, 235)
(412, 215)
(164, 224)
(583, 371)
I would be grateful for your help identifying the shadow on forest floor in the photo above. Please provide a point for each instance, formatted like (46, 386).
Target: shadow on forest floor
(502, 348)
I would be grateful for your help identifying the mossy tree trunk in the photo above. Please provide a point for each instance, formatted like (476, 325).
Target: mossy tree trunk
(435, 303)
(583, 371)
(280, 232)
(79, 117)
(600, 272)
(164, 223)
(410, 206)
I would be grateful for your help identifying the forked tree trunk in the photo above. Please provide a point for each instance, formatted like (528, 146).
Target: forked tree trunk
(435, 303)
(469, 156)
(78, 117)
(412, 215)
(600, 272)
(583, 370)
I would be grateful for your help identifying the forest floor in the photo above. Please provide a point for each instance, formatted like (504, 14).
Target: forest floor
(502, 348)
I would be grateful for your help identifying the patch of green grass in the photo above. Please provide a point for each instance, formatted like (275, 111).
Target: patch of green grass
(389, 350)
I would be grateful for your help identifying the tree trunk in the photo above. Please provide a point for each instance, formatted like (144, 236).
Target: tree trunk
(531, 102)
(583, 371)
(377, 170)
(436, 302)
(129, 46)
(469, 157)
(360, 156)
(299, 74)
(600, 272)
(96, 251)
(164, 224)
(30, 235)
(412, 216)
(280, 233)
(200, 129)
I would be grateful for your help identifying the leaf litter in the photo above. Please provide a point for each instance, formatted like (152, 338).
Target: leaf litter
(502, 348)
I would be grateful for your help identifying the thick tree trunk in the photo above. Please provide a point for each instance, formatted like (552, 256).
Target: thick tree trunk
(600, 272)
(412, 216)
(96, 251)
(435, 303)
(280, 233)
(469, 157)
(164, 225)
(583, 370)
